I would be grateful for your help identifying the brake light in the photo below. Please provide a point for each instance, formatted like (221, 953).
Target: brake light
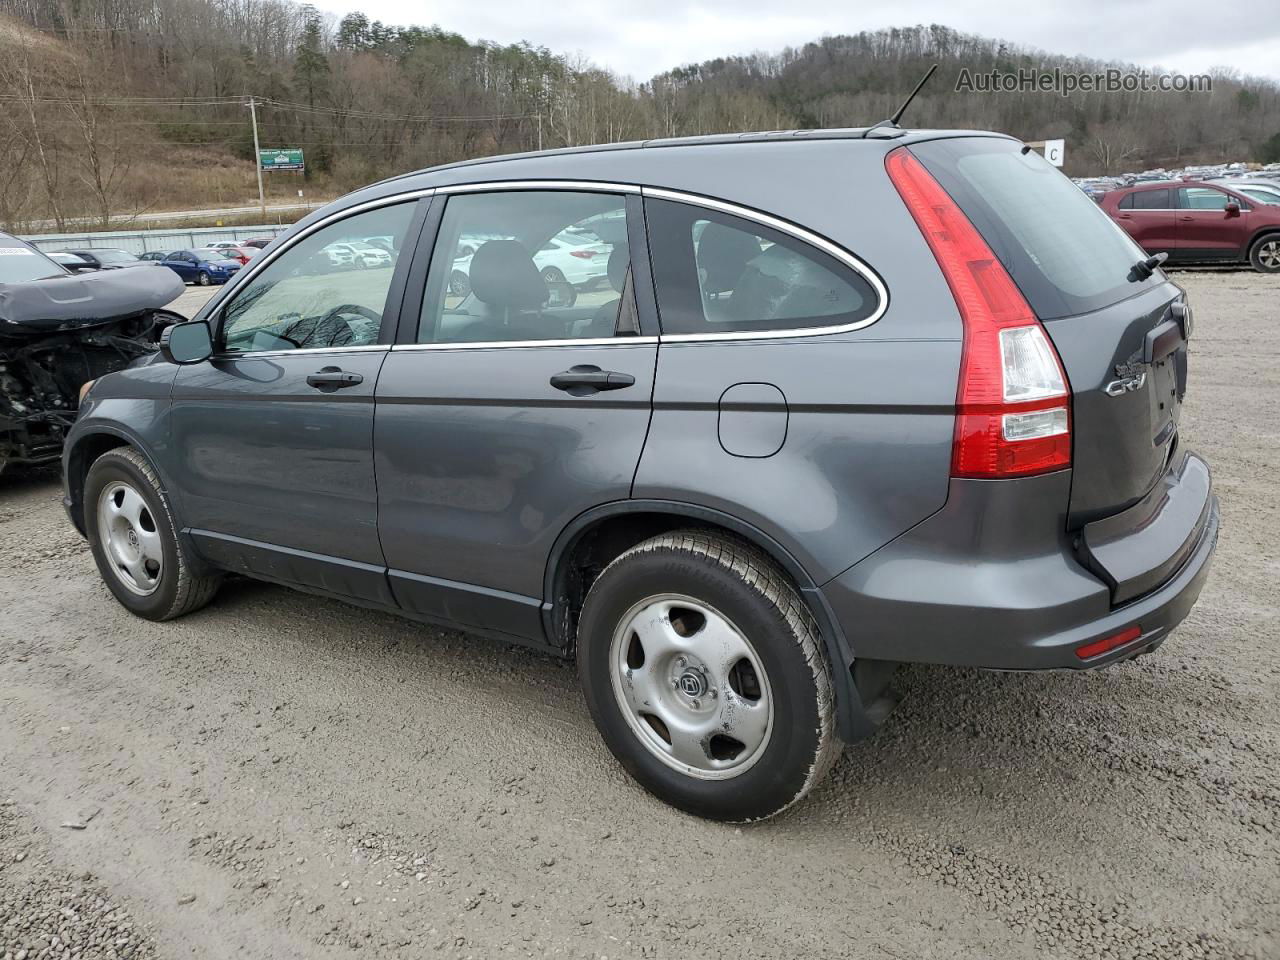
(1013, 416)
(583, 254)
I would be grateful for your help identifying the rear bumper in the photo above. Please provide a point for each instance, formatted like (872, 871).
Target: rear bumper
(968, 587)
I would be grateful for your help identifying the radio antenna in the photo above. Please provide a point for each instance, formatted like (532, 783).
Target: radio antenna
(893, 121)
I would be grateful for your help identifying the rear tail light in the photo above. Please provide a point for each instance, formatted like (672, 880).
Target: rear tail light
(1013, 416)
(583, 254)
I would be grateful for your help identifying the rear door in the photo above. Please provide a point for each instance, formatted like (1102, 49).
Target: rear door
(181, 264)
(510, 404)
(1206, 229)
(1149, 217)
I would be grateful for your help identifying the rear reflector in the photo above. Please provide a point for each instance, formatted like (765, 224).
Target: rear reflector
(1108, 643)
(1013, 416)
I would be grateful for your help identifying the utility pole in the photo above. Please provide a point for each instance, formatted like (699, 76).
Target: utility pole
(257, 155)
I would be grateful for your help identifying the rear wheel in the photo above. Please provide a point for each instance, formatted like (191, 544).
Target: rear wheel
(705, 674)
(134, 539)
(459, 284)
(1265, 254)
(553, 275)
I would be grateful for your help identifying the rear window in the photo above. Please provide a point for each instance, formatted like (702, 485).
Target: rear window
(1066, 255)
(716, 273)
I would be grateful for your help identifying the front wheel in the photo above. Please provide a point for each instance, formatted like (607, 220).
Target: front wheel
(203, 279)
(134, 539)
(1265, 254)
(704, 672)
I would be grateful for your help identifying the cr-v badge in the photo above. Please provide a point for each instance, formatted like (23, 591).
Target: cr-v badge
(1131, 377)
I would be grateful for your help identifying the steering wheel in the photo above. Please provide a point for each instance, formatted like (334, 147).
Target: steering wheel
(330, 330)
(349, 308)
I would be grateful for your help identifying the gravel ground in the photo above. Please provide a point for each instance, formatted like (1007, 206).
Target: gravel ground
(281, 776)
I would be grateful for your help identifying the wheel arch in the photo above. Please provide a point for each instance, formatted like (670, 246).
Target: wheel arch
(80, 456)
(1271, 231)
(604, 532)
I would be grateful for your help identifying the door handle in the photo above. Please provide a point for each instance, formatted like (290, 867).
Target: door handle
(587, 378)
(1124, 216)
(333, 378)
(1186, 218)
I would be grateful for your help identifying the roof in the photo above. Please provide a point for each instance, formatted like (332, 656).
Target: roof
(866, 134)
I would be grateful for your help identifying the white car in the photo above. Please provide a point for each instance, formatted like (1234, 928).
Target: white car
(357, 254)
(579, 259)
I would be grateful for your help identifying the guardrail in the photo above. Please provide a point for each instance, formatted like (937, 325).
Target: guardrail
(144, 241)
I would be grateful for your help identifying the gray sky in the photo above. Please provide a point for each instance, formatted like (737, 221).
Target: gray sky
(643, 38)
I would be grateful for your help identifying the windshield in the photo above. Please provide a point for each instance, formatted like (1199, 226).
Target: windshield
(215, 255)
(1066, 255)
(20, 263)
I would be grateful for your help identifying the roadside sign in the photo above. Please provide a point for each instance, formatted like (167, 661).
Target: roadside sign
(283, 159)
(1055, 151)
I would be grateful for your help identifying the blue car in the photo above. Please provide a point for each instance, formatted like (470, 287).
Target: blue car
(202, 266)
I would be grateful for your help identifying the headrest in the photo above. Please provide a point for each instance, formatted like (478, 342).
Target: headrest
(504, 275)
(619, 259)
(724, 253)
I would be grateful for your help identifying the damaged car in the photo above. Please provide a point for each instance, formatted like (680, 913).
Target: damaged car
(60, 330)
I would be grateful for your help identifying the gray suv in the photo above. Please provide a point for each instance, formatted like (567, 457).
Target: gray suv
(740, 422)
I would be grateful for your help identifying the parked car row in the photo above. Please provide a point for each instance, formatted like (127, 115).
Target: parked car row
(1096, 187)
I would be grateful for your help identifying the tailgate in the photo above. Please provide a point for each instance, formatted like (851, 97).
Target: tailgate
(1127, 365)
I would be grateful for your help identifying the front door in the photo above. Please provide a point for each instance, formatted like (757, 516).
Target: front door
(275, 433)
(517, 397)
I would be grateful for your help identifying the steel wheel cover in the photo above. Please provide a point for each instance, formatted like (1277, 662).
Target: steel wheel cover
(691, 687)
(130, 538)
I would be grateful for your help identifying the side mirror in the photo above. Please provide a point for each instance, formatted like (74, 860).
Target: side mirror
(1232, 208)
(189, 342)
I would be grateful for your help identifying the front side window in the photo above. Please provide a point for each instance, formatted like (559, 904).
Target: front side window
(527, 265)
(1203, 198)
(717, 273)
(307, 298)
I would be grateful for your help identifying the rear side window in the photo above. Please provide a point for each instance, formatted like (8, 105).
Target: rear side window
(1066, 255)
(717, 273)
(1151, 200)
(1203, 198)
(527, 265)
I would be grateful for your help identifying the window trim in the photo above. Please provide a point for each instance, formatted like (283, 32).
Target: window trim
(679, 196)
(213, 310)
(214, 314)
(808, 237)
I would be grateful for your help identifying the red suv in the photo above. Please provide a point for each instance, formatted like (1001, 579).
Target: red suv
(1197, 222)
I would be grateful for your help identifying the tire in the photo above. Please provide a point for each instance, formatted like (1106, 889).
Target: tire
(1264, 255)
(202, 279)
(725, 635)
(459, 284)
(161, 585)
(552, 275)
